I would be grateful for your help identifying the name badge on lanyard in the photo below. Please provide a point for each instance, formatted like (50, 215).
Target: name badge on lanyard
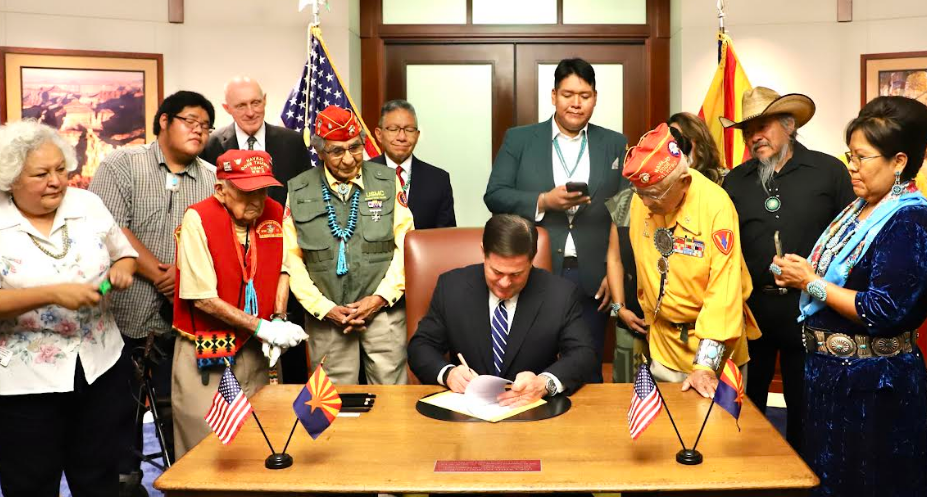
(172, 182)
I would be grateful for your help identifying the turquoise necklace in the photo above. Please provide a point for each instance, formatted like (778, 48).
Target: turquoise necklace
(343, 234)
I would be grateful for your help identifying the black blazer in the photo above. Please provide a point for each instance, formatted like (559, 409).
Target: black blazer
(431, 198)
(547, 334)
(285, 146)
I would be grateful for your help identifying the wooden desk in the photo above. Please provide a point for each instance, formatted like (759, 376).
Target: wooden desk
(393, 449)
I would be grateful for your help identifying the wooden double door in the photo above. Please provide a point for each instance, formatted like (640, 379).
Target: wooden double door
(515, 85)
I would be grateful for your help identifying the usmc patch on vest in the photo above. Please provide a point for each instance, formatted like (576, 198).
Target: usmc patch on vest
(375, 195)
(270, 229)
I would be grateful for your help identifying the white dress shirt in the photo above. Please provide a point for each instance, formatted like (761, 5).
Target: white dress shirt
(511, 304)
(46, 342)
(570, 147)
(260, 137)
(406, 170)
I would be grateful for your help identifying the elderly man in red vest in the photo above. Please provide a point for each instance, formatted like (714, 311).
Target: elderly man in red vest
(229, 259)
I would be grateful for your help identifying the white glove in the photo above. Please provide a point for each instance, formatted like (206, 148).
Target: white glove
(283, 334)
(271, 352)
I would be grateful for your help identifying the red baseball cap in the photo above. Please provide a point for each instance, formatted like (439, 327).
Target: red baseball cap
(653, 159)
(248, 170)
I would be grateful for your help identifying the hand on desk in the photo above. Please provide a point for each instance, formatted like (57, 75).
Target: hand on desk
(459, 378)
(703, 381)
(528, 388)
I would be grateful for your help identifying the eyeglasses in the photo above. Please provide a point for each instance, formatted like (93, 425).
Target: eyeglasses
(254, 104)
(857, 160)
(656, 198)
(193, 124)
(338, 152)
(394, 130)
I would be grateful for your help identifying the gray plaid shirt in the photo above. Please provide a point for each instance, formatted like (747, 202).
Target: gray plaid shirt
(132, 182)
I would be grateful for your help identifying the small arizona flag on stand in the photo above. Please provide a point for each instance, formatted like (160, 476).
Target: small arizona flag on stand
(730, 392)
(317, 404)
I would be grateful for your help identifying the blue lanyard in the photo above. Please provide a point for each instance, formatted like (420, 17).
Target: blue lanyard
(582, 149)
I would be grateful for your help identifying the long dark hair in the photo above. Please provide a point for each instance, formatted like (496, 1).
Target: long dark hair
(706, 158)
(894, 125)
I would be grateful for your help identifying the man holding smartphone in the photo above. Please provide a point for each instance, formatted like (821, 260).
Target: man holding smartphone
(559, 173)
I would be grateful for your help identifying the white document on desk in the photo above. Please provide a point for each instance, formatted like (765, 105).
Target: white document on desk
(479, 400)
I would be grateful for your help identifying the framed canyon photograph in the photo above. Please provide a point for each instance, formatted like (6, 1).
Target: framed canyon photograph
(99, 101)
(884, 74)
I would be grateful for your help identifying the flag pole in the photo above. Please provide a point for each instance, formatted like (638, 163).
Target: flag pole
(665, 406)
(721, 15)
(705, 421)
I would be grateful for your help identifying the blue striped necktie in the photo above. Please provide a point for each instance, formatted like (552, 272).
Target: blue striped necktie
(500, 335)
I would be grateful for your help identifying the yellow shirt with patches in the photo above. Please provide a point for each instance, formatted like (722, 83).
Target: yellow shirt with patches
(710, 290)
(312, 299)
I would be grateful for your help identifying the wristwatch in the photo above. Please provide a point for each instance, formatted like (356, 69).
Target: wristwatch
(616, 306)
(551, 386)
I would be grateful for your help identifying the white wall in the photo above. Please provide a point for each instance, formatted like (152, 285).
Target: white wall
(793, 46)
(218, 39)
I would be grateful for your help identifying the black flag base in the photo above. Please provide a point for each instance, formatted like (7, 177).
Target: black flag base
(281, 461)
(689, 457)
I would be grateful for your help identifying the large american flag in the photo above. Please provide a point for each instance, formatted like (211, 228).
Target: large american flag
(318, 88)
(229, 408)
(646, 402)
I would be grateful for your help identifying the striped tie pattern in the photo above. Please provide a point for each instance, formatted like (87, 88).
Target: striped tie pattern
(500, 335)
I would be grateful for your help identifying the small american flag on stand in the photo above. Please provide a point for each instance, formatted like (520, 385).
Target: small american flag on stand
(319, 87)
(646, 402)
(229, 408)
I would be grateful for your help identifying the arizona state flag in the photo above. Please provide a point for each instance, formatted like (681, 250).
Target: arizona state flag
(317, 403)
(730, 392)
(724, 99)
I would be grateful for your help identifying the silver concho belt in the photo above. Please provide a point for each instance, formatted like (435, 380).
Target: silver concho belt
(857, 346)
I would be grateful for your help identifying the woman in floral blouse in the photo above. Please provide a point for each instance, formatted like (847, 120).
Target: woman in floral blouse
(59, 346)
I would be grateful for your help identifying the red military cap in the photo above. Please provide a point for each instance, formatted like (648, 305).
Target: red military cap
(248, 170)
(337, 124)
(653, 159)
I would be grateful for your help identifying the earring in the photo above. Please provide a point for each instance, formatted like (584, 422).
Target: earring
(897, 189)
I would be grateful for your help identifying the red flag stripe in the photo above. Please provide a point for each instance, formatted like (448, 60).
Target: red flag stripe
(730, 72)
(233, 422)
(643, 412)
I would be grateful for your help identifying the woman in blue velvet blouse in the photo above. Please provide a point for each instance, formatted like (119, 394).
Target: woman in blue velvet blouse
(864, 295)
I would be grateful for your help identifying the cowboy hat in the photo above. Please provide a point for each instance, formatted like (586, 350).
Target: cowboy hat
(762, 102)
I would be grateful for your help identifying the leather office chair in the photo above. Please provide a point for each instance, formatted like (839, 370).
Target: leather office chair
(430, 253)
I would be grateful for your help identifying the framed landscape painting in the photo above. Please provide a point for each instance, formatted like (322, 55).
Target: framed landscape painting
(884, 74)
(99, 101)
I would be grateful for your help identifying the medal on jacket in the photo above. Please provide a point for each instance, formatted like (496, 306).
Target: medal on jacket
(663, 241)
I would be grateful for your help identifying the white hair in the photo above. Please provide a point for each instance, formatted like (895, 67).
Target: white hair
(21, 138)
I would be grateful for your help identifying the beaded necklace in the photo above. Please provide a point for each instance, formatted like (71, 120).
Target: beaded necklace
(65, 241)
(343, 234)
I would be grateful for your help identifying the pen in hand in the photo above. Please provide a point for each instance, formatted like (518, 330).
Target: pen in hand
(463, 363)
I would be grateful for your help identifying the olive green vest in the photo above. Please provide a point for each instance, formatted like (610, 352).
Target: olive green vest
(369, 250)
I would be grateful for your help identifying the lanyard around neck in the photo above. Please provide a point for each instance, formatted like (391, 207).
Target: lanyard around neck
(582, 150)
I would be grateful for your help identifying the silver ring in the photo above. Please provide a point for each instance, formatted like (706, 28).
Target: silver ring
(775, 269)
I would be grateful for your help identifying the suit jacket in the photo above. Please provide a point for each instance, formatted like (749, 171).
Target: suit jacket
(547, 334)
(285, 146)
(524, 168)
(431, 198)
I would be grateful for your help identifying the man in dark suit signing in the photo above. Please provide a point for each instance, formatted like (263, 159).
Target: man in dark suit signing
(245, 102)
(531, 175)
(506, 318)
(432, 200)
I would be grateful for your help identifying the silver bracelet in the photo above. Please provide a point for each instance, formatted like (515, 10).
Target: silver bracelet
(817, 289)
(709, 354)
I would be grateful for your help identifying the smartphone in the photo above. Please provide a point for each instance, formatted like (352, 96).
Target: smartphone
(778, 244)
(578, 186)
